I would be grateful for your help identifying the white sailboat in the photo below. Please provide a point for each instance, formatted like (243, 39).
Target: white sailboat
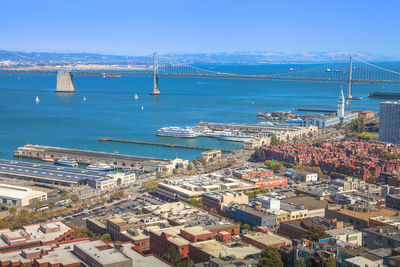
(37, 99)
(142, 107)
(84, 98)
(136, 97)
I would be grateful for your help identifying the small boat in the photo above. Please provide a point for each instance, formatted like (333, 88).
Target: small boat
(136, 97)
(66, 162)
(37, 99)
(142, 107)
(48, 159)
(84, 98)
(100, 167)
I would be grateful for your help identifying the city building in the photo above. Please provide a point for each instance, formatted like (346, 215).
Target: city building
(384, 221)
(34, 235)
(315, 207)
(272, 181)
(354, 158)
(211, 154)
(11, 195)
(295, 229)
(252, 172)
(215, 201)
(81, 252)
(63, 176)
(248, 215)
(206, 250)
(393, 202)
(347, 184)
(268, 202)
(346, 235)
(389, 122)
(187, 188)
(360, 262)
(366, 114)
(264, 240)
(381, 237)
(358, 216)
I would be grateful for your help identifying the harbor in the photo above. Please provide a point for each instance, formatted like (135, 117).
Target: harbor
(109, 139)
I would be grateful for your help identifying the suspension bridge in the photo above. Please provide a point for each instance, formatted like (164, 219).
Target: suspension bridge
(354, 71)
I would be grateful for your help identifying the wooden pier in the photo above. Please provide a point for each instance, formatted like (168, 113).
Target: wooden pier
(109, 139)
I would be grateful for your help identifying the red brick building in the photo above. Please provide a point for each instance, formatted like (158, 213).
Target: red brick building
(356, 158)
(271, 182)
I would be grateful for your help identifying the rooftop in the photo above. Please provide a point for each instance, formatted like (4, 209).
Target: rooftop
(268, 239)
(217, 249)
(307, 202)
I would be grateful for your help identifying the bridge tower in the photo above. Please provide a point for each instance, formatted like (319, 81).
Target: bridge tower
(155, 68)
(65, 83)
(349, 95)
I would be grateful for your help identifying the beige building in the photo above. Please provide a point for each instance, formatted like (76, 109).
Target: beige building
(217, 200)
(346, 235)
(12, 195)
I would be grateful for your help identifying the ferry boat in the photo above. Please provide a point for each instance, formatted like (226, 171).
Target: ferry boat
(235, 136)
(176, 132)
(66, 162)
(100, 167)
(48, 159)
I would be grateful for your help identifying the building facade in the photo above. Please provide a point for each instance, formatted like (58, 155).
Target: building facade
(389, 122)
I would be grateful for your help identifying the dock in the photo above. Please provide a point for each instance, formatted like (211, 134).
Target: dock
(316, 110)
(86, 157)
(109, 139)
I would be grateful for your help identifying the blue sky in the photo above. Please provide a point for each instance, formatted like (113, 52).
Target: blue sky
(141, 27)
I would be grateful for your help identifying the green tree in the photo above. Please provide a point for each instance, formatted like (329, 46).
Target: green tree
(174, 257)
(190, 167)
(74, 198)
(196, 202)
(270, 257)
(315, 234)
(51, 205)
(64, 195)
(301, 263)
(106, 237)
(203, 161)
(330, 262)
(12, 211)
(175, 171)
(274, 141)
(38, 203)
(139, 212)
(246, 226)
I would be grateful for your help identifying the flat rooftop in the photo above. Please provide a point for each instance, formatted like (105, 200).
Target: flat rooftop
(102, 256)
(50, 172)
(268, 239)
(217, 249)
(309, 203)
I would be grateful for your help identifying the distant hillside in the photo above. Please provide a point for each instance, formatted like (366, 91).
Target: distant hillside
(218, 58)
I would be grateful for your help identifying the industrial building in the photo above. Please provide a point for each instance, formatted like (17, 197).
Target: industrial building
(11, 195)
(63, 176)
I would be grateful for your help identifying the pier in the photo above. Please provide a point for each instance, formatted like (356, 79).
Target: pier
(109, 139)
(86, 157)
(316, 110)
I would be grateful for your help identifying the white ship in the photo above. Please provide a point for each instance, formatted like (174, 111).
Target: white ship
(136, 97)
(235, 136)
(177, 132)
(100, 167)
(37, 99)
(66, 162)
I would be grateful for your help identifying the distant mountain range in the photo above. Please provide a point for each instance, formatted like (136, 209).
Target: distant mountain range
(217, 58)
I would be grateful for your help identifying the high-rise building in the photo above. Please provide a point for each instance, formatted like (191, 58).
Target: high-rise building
(340, 108)
(389, 122)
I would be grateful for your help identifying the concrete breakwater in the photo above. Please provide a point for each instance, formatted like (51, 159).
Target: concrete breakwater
(109, 139)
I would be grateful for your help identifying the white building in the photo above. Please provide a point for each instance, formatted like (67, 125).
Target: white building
(12, 195)
(175, 163)
(347, 235)
(113, 181)
(269, 202)
(311, 177)
(340, 109)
